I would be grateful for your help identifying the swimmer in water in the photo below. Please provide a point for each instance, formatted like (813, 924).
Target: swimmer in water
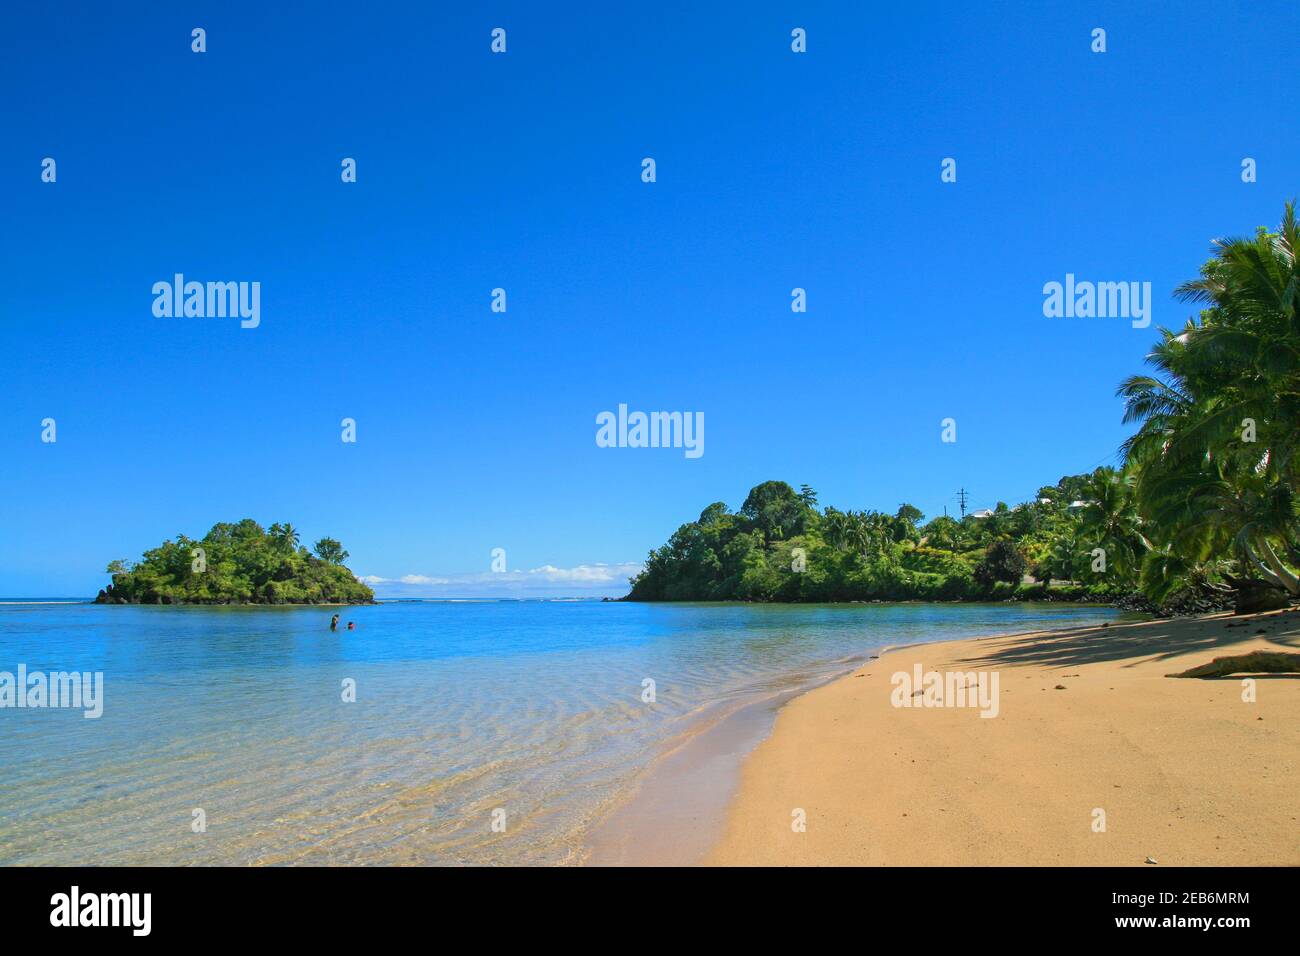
(334, 623)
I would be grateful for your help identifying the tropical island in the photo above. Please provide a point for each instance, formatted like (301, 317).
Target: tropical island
(1203, 512)
(239, 563)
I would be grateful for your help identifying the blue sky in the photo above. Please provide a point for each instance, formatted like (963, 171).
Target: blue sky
(476, 430)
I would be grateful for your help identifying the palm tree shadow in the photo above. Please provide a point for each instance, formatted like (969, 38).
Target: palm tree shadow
(1149, 641)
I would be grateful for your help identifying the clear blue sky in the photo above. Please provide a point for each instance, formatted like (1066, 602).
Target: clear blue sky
(477, 430)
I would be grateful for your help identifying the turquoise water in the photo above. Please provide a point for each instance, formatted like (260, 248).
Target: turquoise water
(462, 709)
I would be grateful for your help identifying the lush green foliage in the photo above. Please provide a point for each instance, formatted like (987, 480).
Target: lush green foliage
(237, 564)
(1214, 461)
(1208, 497)
(781, 547)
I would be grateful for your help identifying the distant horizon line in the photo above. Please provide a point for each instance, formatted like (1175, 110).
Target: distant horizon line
(46, 599)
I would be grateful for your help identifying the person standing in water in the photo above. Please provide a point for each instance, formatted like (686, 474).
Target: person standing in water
(334, 623)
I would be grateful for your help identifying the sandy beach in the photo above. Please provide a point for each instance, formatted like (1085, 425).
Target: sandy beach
(1095, 757)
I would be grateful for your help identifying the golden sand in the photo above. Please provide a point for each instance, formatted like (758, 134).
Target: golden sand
(1089, 733)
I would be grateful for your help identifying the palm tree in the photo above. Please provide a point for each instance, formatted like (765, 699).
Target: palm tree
(285, 535)
(1246, 352)
(1110, 521)
(860, 537)
(944, 533)
(867, 532)
(1211, 511)
(1062, 559)
(836, 528)
(1215, 458)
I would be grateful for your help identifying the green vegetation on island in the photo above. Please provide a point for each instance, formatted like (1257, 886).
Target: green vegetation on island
(239, 563)
(781, 547)
(1203, 512)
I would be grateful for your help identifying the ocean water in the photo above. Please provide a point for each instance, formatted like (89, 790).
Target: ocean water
(523, 712)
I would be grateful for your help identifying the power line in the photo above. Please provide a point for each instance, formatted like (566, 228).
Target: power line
(1113, 459)
(961, 498)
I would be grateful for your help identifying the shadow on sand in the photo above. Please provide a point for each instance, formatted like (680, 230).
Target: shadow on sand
(1148, 641)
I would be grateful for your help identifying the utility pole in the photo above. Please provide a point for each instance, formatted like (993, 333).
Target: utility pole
(961, 498)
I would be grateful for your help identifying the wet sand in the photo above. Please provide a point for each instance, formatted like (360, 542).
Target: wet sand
(1095, 757)
(672, 815)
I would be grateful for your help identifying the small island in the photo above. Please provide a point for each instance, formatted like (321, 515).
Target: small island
(240, 563)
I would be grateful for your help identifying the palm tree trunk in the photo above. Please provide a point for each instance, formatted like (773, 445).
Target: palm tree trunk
(1265, 572)
(1289, 580)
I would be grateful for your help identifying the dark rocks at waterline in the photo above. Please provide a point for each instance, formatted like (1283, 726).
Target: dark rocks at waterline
(106, 596)
(1255, 596)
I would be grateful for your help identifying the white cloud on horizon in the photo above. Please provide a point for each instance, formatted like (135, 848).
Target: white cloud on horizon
(594, 576)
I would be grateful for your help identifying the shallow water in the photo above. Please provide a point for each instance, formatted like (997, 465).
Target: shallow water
(533, 708)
